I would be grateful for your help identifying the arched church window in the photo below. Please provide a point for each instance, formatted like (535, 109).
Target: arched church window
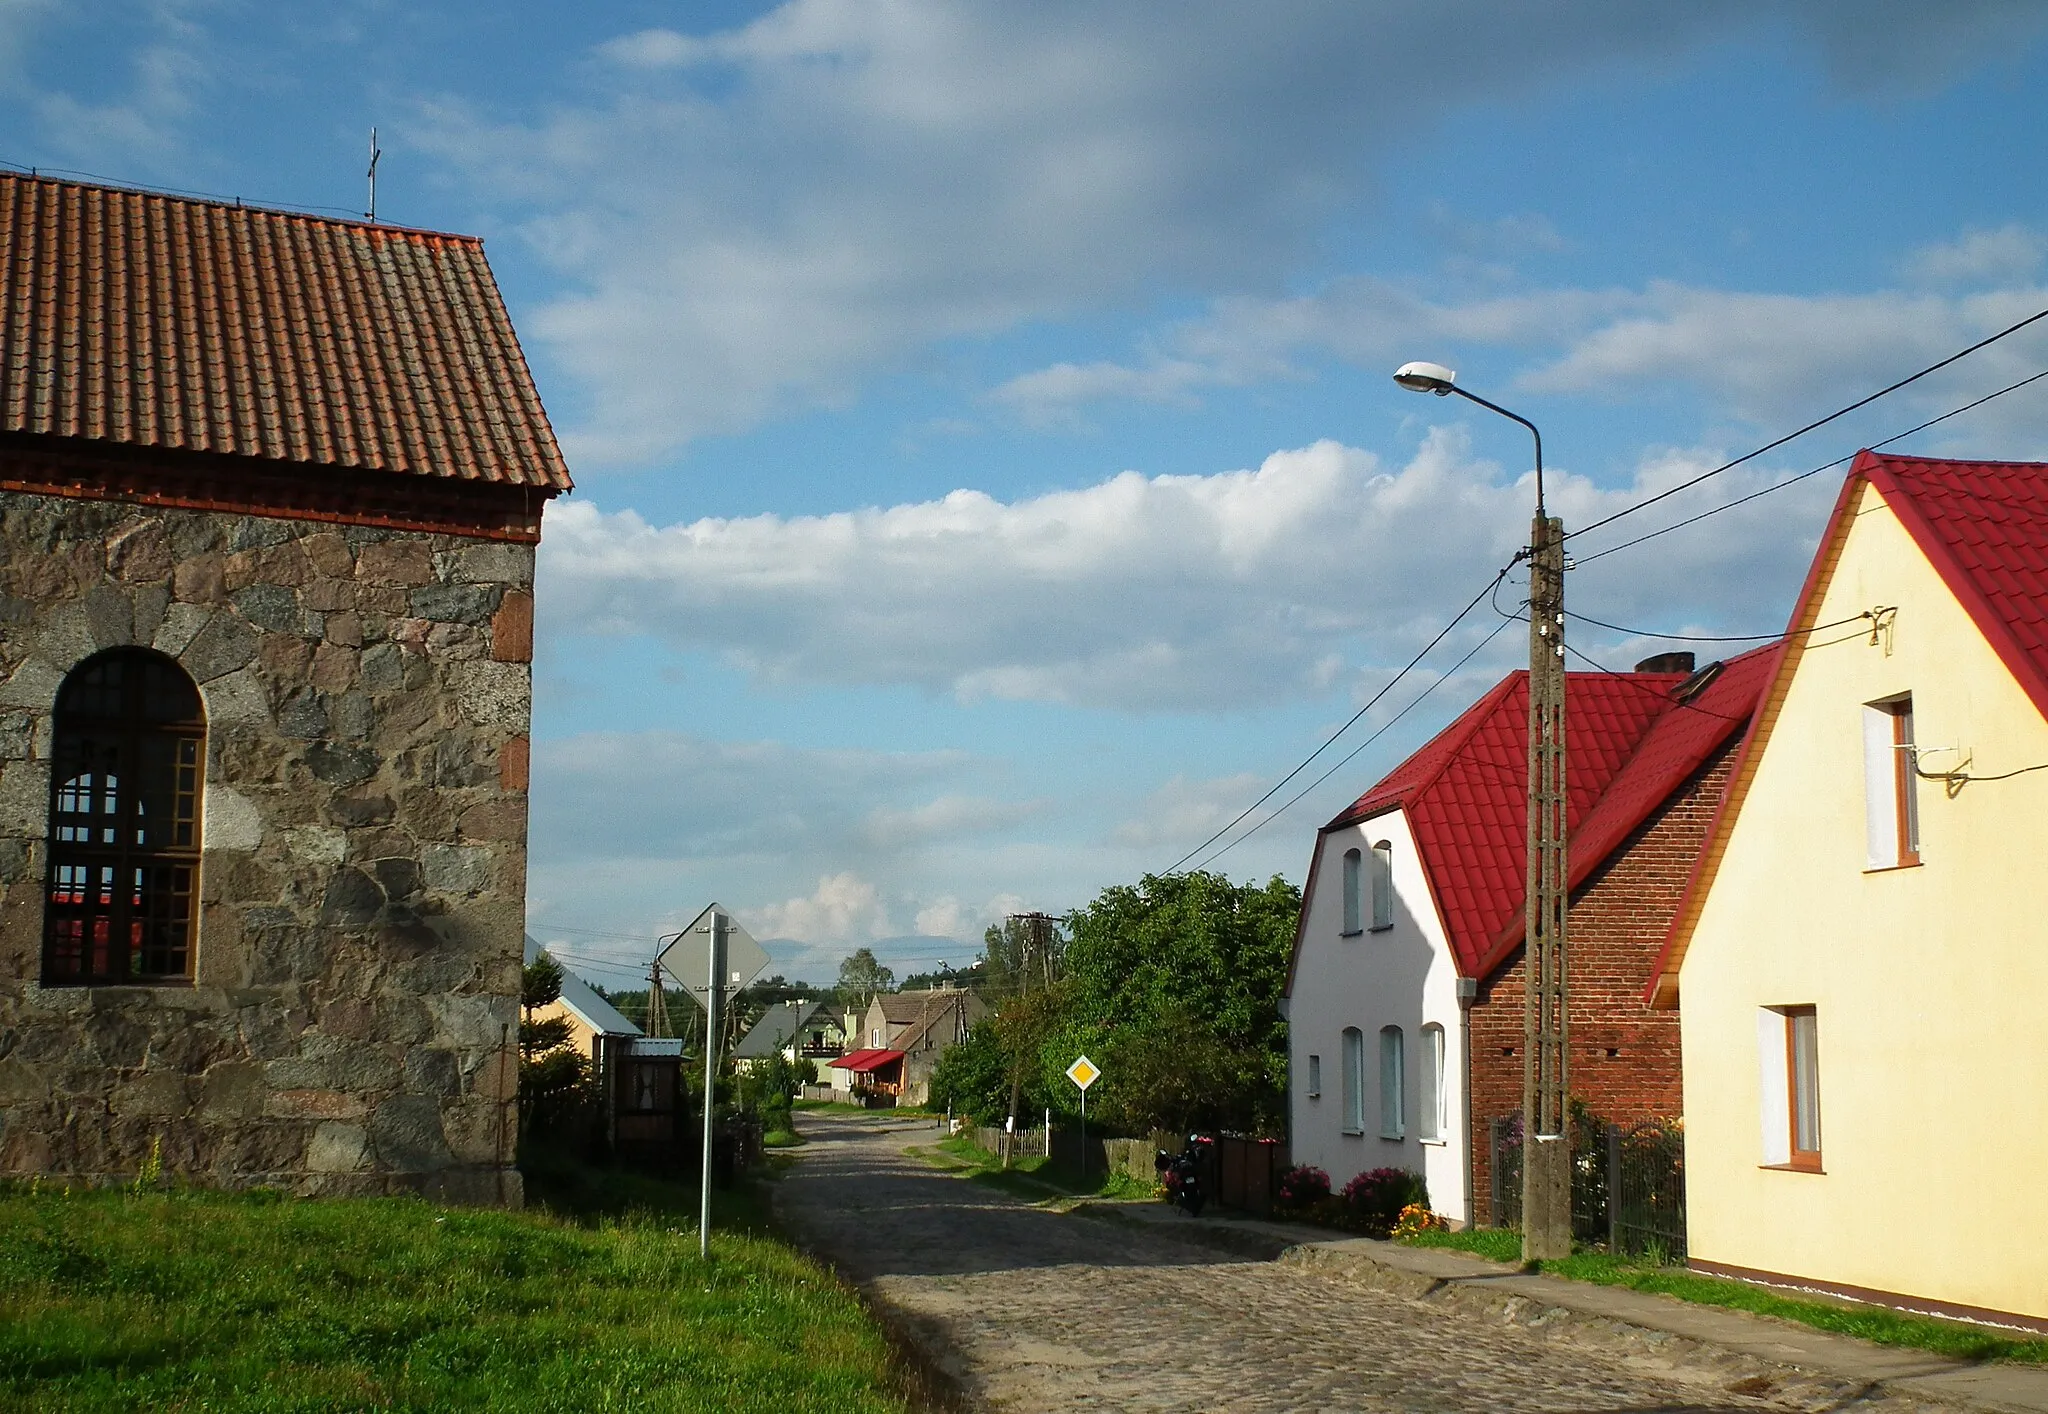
(127, 763)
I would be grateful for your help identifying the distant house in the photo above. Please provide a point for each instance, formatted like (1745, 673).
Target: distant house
(793, 1029)
(905, 1034)
(1859, 964)
(591, 1018)
(1404, 994)
(270, 486)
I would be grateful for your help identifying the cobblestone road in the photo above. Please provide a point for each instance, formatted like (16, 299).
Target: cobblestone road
(1032, 1310)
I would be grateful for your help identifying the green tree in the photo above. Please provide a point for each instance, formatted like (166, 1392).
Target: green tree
(861, 976)
(973, 1078)
(1173, 985)
(554, 1081)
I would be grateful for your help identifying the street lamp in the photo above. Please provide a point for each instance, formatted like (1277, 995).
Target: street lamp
(1546, 1029)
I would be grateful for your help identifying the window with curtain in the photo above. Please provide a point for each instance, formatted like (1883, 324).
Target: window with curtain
(1354, 1080)
(1382, 885)
(1802, 1062)
(1353, 910)
(1393, 1058)
(1430, 1119)
(1890, 809)
(127, 754)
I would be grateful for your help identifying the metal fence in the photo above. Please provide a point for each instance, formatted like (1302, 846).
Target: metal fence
(1628, 1185)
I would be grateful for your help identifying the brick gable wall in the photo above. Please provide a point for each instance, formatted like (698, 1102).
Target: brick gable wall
(1624, 1056)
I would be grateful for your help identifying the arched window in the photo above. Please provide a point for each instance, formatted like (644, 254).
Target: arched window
(1354, 1080)
(1393, 1058)
(1354, 912)
(125, 780)
(1383, 885)
(1430, 1120)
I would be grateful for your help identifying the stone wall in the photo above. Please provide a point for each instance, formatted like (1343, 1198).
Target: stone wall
(357, 960)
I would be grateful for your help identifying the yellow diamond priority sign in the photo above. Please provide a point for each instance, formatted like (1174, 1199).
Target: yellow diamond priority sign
(1084, 1072)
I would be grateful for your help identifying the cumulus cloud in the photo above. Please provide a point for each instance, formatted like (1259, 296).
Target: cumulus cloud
(1171, 593)
(1183, 811)
(843, 908)
(757, 219)
(2011, 252)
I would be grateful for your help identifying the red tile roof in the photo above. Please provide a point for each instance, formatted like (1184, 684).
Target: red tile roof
(1984, 528)
(1628, 745)
(159, 321)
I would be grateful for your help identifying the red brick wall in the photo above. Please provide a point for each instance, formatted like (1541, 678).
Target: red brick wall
(1624, 1056)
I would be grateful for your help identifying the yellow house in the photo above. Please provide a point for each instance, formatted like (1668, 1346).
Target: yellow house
(1863, 953)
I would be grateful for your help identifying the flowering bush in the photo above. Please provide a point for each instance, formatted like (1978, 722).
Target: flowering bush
(1375, 1198)
(1302, 1186)
(1417, 1219)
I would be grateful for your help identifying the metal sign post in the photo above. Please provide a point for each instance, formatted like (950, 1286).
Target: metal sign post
(1083, 1072)
(728, 958)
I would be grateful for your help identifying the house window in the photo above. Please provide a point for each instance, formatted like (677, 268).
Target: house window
(1788, 1056)
(1429, 1101)
(1382, 885)
(1393, 1056)
(127, 759)
(1354, 911)
(1890, 806)
(1315, 1077)
(1354, 1080)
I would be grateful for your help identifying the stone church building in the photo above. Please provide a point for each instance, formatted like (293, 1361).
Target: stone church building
(269, 490)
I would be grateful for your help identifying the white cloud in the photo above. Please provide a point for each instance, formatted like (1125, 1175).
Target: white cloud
(2011, 252)
(1172, 593)
(843, 908)
(1184, 812)
(948, 818)
(757, 219)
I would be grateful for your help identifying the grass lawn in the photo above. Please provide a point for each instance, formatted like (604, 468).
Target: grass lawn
(832, 1107)
(114, 1300)
(1881, 1325)
(1031, 1176)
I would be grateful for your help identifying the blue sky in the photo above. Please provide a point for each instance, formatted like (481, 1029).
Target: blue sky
(989, 477)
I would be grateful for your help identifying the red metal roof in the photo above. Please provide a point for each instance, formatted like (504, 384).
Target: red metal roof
(868, 1059)
(1628, 745)
(151, 320)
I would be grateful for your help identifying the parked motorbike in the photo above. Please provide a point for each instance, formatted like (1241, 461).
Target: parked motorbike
(1181, 1174)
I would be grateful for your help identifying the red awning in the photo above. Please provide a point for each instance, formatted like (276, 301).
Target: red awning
(862, 1061)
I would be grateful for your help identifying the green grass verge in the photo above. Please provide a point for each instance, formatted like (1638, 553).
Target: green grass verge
(113, 1300)
(832, 1107)
(1034, 1176)
(781, 1139)
(1878, 1324)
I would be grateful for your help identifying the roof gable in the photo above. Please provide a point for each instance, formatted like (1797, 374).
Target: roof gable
(582, 999)
(136, 318)
(1983, 526)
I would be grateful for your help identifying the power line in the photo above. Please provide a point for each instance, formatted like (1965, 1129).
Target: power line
(1712, 637)
(1816, 423)
(1442, 678)
(1331, 740)
(1795, 480)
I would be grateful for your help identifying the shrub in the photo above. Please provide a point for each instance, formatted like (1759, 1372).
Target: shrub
(1417, 1219)
(1302, 1186)
(1376, 1197)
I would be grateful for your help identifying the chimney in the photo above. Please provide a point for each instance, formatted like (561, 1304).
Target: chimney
(1679, 662)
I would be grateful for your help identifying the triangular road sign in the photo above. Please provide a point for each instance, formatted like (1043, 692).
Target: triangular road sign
(688, 958)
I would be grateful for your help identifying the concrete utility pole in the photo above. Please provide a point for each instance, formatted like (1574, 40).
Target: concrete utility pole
(1546, 1028)
(1546, 1025)
(1037, 950)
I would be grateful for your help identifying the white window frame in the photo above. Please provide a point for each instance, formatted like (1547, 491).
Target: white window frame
(1891, 806)
(1393, 1083)
(1432, 1121)
(1382, 886)
(1354, 1080)
(1354, 910)
(1315, 1077)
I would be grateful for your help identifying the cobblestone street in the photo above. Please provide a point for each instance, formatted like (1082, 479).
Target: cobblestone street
(1033, 1310)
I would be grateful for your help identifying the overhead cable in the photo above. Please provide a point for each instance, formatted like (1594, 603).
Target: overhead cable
(1331, 740)
(1842, 412)
(1795, 480)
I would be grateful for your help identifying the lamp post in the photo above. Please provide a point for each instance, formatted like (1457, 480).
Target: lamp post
(1546, 1028)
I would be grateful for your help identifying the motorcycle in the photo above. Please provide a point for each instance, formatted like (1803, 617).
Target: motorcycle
(1181, 1174)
